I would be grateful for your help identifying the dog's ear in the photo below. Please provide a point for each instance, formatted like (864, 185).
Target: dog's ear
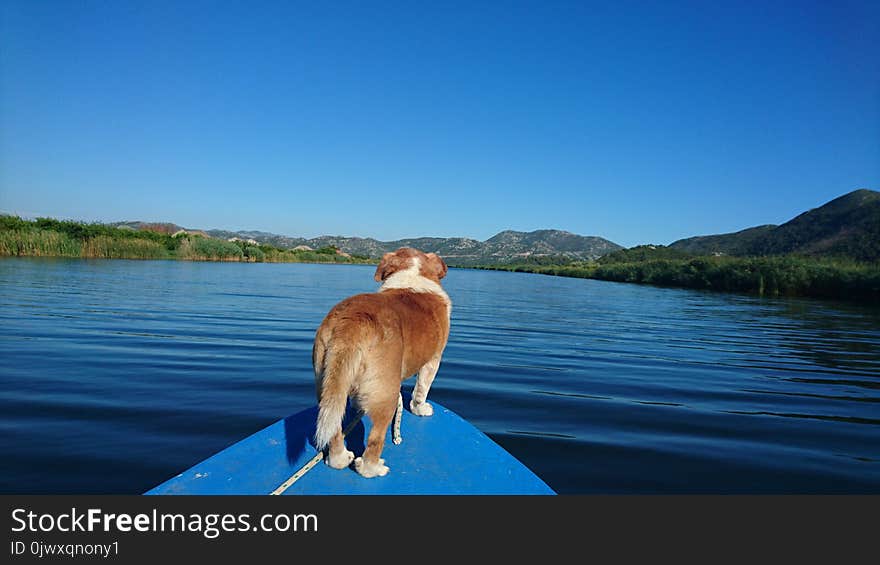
(438, 265)
(390, 264)
(381, 269)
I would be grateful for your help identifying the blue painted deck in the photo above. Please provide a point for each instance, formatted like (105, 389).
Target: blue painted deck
(441, 454)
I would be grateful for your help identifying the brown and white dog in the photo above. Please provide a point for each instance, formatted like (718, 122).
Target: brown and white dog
(369, 343)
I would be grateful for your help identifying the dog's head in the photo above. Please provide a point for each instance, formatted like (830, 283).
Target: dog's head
(430, 265)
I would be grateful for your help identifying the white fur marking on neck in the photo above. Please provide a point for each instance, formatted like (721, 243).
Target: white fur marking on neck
(411, 279)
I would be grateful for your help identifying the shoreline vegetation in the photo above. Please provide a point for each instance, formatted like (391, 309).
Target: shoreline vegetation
(47, 237)
(773, 275)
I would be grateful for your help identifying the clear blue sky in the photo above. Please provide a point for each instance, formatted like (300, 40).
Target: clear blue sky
(641, 123)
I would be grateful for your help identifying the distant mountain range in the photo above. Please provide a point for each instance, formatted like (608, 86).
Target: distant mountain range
(505, 247)
(846, 226)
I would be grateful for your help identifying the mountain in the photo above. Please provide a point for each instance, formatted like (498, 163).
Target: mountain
(275, 240)
(546, 242)
(846, 226)
(505, 247)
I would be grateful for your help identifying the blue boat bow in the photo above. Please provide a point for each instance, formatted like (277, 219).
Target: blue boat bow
(441, 454)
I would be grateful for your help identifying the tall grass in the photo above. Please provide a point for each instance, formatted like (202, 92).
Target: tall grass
(38, 243)
(47, 243)
(84, 231)
(103, 247)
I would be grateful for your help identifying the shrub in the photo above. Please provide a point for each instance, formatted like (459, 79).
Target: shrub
(253, 253)
(197, 248)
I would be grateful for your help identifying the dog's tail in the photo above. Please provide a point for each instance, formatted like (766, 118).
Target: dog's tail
(335, 372)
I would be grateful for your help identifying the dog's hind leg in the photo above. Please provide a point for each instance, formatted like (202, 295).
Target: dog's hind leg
(333, 374)
(380, 413)
(418, 405)
(338, 456)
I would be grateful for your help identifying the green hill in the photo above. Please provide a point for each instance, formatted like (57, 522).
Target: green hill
(848, 226)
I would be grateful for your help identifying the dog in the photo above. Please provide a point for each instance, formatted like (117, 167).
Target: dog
(369, 344)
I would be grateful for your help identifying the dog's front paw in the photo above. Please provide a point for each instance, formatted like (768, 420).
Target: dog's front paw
(421, 408)
(368, 470)
(340, 460)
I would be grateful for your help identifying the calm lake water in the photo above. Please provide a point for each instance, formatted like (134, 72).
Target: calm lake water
(116, 375)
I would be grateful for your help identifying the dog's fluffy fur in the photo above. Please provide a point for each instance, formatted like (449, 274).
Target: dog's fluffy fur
(369, 343)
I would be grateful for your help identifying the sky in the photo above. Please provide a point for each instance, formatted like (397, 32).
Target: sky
(640, 122)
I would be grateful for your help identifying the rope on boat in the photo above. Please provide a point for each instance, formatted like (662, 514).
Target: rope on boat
(313, 461)
(395, 430)
(300, 473)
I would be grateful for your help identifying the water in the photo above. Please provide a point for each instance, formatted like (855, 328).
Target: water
(116, 375)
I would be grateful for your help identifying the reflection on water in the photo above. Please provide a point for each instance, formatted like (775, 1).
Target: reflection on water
(118, 374)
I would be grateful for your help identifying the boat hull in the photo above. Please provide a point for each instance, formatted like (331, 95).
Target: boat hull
(441, 454)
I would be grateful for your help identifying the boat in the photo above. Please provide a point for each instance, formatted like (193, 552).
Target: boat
(441, 454)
